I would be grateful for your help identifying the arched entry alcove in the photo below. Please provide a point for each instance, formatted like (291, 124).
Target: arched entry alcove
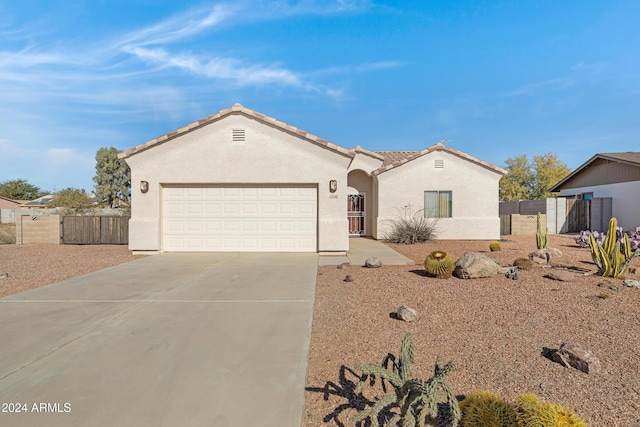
(360, 203)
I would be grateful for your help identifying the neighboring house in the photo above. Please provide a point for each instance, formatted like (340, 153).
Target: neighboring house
(242, 181)
(9, 204)
(40, 202)
(608, 175)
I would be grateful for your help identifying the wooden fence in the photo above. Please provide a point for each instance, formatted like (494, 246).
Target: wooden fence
(578, 215)
(95, 230)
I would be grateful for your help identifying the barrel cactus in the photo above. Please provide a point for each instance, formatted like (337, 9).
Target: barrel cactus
(533, 412)
(486, 409)
(439, 264)
(495, 246)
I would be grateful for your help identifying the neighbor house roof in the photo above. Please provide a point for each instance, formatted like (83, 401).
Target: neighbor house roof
(630, 158)
(6, 203)
(394, 159)
(40, 202)
(238, 109)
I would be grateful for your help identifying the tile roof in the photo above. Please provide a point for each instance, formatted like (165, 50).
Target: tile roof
(394, 159)
(237, 109)
(391, 159)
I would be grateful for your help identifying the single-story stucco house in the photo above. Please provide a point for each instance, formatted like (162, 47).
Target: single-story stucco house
(608, 175)
(239, 180)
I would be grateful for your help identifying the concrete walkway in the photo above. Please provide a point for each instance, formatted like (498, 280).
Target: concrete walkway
(168, 340)
(361, 248)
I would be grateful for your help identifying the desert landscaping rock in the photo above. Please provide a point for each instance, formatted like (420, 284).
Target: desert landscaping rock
(4, 275)
(561, 276)
(614, 288)
(540, 257)
(373, 262)
(474, 265)
(344, 266)
(578, 357)
(349, 278)
(632, 284)
(407, 314)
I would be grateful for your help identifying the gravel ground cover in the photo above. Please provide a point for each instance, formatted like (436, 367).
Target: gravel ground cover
(499, 332)
(32, 266)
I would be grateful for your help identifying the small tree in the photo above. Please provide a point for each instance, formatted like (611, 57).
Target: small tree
(20, 189)
(113, 178)
(72, 201)
(530, 179)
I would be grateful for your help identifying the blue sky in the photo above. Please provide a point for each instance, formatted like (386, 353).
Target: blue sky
(494, 79)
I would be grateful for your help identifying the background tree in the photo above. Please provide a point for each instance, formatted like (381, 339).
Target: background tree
(20, 189)
(530, 179)
(72, 201)
(113, 178)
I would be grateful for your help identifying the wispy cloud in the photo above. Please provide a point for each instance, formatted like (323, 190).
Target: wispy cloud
(532, 88)
(179, 27)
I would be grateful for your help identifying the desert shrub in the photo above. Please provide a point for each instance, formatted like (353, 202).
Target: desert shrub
(495, 246)
(439, 264)
(409, 229)
(414, 402)
(523, 264)
(7, 234)
(486, 409)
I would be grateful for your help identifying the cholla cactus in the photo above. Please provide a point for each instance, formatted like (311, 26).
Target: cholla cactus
(541, 239)
(416, 400)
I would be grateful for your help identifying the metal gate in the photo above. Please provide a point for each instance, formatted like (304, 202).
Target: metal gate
(355, 214)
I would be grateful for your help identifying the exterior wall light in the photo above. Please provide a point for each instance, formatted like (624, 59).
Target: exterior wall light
(333, 185)
(144, 186)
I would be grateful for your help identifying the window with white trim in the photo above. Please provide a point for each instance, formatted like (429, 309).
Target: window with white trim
(437, 204)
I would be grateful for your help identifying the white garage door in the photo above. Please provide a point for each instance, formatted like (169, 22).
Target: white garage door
(239, 218)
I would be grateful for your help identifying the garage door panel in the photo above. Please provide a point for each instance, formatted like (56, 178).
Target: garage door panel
(240, 218)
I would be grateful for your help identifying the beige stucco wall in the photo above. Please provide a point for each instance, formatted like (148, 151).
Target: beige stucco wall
(474, 187)
(207, 156)
(32, 229)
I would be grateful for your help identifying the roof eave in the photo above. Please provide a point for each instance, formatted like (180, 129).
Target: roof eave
(238, 109)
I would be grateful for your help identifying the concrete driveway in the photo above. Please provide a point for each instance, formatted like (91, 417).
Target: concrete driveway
(168, 340)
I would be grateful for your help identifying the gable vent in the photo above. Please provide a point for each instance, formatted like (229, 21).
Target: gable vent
(438, 164)
(238, 135)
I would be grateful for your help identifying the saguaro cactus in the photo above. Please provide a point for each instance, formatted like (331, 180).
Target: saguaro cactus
(612, 258)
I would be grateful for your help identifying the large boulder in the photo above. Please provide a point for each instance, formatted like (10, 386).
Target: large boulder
(373, 262)
(544, 256)
(474, 265)
(575, 356)
(407, 314)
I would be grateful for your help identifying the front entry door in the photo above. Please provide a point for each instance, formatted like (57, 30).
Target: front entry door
(355, 214)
